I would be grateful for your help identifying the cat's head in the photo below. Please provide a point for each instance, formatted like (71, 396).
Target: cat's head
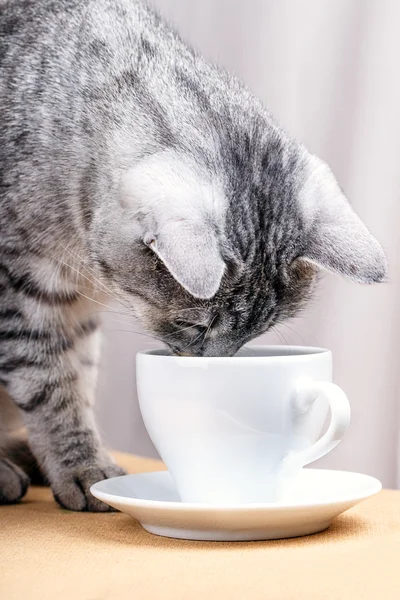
(213, 255)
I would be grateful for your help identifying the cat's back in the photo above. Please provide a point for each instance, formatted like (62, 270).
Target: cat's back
(80, 76)
(26, 21)
(58, 58)
(40, 37)
(88, 26)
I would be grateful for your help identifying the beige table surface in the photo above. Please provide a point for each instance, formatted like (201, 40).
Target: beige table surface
(50, 553)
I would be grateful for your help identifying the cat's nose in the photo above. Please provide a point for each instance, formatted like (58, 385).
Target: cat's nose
(220, 348)
(212, 348)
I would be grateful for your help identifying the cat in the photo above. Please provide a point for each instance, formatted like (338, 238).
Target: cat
(131, 168)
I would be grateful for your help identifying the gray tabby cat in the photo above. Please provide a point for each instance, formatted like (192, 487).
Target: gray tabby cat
(131, 168)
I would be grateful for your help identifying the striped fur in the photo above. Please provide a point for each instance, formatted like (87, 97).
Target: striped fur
(133, 170)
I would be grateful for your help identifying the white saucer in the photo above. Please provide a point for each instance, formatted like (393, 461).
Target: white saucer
(318, 497)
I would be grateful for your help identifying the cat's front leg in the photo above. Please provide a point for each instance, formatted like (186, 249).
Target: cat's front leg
(13, 482)
(54, 392)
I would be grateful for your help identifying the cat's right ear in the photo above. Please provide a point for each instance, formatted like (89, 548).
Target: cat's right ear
(337, 240)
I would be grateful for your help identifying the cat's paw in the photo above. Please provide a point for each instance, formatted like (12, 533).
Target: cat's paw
(71, 489)
(13, 482)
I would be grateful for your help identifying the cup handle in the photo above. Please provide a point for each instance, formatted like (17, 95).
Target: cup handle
(307, 394)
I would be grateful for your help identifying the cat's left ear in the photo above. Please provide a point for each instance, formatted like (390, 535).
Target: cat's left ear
(189, 249)
(179, 211)
(337, 240)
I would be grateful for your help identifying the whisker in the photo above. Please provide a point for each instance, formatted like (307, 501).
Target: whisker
(95, 301)
(281, 337)
(296, 333)
(209, 328)
(94, 283)
(248, 350)
(97, 281)
(110, 312)
(137, 333)
(193, 341)
(198, 308)
(131, 330)
(107, 327)
(184, 329)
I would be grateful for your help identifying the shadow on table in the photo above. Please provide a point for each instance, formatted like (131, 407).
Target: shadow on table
(125, 531)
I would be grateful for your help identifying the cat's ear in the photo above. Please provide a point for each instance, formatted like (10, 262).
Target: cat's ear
(338, 241)
(179, 211)
(190, 252)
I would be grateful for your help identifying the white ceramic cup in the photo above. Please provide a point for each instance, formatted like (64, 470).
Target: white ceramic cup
(239, 429)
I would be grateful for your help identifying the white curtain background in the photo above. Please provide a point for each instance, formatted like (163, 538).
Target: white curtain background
(329, 71)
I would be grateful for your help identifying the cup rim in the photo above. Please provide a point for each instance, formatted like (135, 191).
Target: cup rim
(282, 352)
